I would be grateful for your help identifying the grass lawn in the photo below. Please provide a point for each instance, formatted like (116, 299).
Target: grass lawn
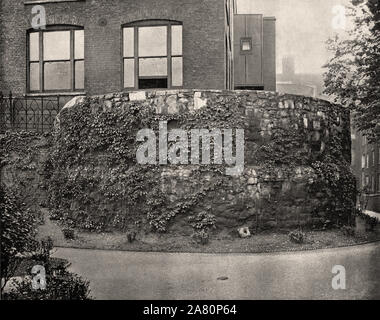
(262, 242)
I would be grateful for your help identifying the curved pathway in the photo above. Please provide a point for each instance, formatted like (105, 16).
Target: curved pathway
(296, 275)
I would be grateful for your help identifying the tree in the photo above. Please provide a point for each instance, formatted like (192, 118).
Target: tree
(18, 244)
(17, 228)
(353, 76)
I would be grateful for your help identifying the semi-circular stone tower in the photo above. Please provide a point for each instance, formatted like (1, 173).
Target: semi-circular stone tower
(296, 163)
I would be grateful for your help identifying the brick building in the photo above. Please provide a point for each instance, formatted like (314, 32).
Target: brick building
(99, 46)
(366, 166)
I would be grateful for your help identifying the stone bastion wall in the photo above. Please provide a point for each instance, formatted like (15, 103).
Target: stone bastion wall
(296, 163)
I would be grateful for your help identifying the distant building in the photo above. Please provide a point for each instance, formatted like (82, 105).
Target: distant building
(100, 46)
(366, 167)
(307, 84)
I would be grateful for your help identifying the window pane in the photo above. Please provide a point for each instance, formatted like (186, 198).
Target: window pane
(246, 45)
(176, 40)
(34, 77)
(177, 78)
(129, 73)
(152, 41)
(79, 44)
(128, 42)
(153, 67)
(57, 45)
(57, 75)
(34, 50)
(79, 75)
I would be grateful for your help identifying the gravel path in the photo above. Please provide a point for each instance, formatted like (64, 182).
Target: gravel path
(295, 275)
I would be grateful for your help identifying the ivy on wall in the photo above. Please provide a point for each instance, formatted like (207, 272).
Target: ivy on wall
(96, 183)
(93, 181)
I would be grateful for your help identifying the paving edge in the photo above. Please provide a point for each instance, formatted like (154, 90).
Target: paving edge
(228, 253)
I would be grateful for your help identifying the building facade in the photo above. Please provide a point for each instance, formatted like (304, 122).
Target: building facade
(307, 84)
(366, 166)
(99, 46)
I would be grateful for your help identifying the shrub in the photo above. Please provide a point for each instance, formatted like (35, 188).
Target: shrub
(201, 237)
(60, 283)
(297, 236)
(202, 221)
(68, 233)
(348, 231)
(17, 233)
(61, 286)
(371, 223)
(131, 236)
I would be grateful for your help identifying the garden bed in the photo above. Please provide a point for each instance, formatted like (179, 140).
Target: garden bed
(224, 243)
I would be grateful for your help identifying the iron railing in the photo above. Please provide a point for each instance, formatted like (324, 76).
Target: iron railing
(29, 113)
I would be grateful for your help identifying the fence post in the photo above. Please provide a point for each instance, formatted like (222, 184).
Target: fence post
(11, 109)
(2, 114)
(42, 114)
(26, 112)
(58, 107)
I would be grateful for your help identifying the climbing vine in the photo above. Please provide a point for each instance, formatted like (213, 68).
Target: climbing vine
(96, 182)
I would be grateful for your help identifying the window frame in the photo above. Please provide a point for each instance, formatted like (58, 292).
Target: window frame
(136, 58)
(41, 61)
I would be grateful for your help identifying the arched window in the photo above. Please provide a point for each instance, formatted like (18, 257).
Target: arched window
(56, 59)
(152, 54)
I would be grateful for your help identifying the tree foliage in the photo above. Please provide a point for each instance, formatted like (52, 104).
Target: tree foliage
(353, 76)
(17, 233)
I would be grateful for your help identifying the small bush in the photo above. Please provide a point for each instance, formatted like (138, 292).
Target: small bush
(131, 236)
(201, 237)
(61, 286)
(202, 221)
(42, 249)
(68, 233)
(371, 223)
(348, 231)
(297, 237)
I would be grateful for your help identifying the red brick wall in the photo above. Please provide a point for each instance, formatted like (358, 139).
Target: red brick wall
(203, 34)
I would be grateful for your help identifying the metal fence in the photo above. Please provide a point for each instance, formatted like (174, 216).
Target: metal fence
(29, 113)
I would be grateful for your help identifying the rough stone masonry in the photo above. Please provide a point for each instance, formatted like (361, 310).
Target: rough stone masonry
(288, 139)
(296, 171)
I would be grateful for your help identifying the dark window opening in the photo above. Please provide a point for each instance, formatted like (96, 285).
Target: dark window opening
(155, 83)
(249, 88)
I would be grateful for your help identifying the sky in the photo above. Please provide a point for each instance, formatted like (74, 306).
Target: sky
(302, 26)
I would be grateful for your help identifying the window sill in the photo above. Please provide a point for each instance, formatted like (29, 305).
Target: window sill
(54, 94)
